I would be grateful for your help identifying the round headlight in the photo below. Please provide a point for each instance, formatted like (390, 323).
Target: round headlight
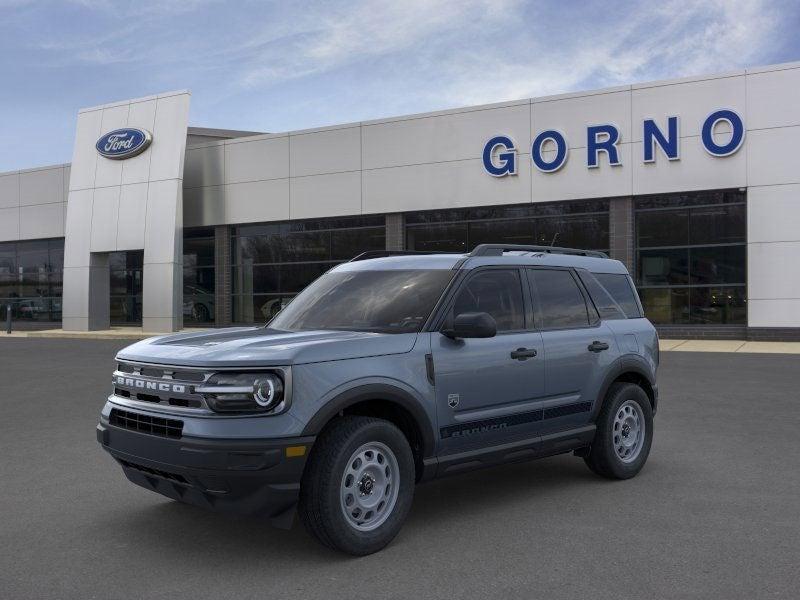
(268, 391)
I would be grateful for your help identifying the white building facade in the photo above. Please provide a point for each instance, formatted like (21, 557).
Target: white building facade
(693, 183)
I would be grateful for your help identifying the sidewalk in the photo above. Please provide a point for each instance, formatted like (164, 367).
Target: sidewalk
(115, 333)
(729, 346)
(136, 333)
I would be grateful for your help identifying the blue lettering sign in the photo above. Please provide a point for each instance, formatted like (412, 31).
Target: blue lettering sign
(652, 135)
(507, 157)
(602, 138)
(500, 152)
(707, 134)
(561, 151)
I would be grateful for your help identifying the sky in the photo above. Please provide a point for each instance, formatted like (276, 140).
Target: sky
(288, 64)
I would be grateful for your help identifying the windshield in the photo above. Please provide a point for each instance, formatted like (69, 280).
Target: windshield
(392, 301)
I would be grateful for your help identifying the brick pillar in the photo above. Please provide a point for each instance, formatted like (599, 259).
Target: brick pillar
(395, 232)
(620, 231)
(222, 276)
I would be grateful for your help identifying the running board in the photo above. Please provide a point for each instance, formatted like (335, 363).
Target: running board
(526, 449)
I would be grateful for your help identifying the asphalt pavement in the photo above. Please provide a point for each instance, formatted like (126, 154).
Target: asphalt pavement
(714, 514)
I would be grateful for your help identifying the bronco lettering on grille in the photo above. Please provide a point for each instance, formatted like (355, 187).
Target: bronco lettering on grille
(142, 384)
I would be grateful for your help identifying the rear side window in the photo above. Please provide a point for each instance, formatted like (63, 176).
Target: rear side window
(621, 290)
(497, 292)
(606, 305)
(560, 301)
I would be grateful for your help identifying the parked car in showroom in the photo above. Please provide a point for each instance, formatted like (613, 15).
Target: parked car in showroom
(389, 370)
(198, 304)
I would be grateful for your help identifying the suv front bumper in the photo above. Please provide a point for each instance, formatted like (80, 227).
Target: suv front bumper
(251, 477)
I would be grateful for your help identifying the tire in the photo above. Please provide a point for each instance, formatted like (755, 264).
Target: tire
(201, 313)
(613, 454)
(324, 489)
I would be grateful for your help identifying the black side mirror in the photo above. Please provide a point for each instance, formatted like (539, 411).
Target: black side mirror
(472, 325)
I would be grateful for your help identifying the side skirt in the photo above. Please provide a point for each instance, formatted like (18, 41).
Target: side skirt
(527, 449)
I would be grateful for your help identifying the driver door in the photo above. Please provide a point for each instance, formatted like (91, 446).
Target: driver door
(484, 395)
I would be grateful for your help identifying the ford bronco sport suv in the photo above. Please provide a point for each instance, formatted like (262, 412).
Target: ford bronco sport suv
(388, 370)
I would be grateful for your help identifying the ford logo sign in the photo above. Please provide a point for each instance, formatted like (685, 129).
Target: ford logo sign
(123, 143)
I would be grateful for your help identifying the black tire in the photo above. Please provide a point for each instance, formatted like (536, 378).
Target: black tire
(201, 313)
(603, 458)
(320, 506)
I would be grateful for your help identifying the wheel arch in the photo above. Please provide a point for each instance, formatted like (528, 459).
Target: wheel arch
(384, 401)
(631, 370)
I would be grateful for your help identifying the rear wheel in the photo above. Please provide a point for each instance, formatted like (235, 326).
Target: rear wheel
(624, 433)
(357, 488)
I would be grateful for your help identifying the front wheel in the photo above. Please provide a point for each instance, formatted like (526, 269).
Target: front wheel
(624, 433)
(357, 488)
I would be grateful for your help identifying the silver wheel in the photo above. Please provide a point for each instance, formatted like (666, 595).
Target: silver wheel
(629, 431)
(369, 487)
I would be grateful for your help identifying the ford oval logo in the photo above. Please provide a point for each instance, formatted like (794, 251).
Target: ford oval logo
(123, 143)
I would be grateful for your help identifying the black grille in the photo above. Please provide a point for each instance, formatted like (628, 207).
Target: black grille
(159, 373)
(170, 428)
(157, 472)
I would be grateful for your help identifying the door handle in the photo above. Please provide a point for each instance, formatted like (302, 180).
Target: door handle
(596, 346)
(523, 353)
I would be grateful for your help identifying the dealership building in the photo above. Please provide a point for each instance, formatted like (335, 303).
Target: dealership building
(693, 183)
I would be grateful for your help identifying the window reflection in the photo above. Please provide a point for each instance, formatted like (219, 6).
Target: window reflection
(273, 262)
(573, 224)
(691, 257)
(125, 270)
(31, 275)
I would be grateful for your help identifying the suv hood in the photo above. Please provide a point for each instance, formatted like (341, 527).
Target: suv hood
(258, 346)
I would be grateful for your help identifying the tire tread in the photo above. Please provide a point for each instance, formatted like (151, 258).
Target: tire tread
(316, 512)
(601, 459)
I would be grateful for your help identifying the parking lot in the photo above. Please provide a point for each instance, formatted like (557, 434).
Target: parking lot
(714, 514)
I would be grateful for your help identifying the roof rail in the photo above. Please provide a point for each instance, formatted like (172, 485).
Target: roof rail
(499, 249)
(384, 253)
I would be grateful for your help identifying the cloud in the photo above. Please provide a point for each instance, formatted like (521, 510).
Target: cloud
(671, 40)
(326, 38)
(275, 65)
(471, 51)
(455, 53)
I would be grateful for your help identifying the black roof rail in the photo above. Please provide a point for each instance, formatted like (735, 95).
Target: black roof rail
(499, 249)
(384, 253)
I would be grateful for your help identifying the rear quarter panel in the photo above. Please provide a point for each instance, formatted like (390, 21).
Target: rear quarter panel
(637, 337)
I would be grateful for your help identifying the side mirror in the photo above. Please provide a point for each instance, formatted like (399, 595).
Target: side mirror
(472, 325)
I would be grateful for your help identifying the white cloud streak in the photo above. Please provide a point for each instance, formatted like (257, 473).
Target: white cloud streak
(477, 51)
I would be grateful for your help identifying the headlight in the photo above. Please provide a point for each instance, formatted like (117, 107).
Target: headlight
(243, 392)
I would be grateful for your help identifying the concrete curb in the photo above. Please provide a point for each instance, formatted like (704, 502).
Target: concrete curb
(115, 333)
(738, 346)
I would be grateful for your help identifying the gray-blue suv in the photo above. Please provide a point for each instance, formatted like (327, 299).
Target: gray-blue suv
(388, 370)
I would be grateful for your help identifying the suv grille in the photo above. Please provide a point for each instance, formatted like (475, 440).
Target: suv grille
(169, 428)
(160, 385)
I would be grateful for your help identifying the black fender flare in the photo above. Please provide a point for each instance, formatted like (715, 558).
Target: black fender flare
(631, 363)
(376, 391)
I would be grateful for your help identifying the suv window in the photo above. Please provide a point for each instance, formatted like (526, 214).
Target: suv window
(497, 292)
(621, 290)
(560, 301)
(606, 305)
(390, 301)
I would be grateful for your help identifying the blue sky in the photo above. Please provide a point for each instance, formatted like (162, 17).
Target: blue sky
(276, 66)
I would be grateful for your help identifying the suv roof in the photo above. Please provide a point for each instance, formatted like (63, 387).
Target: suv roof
(486, 254)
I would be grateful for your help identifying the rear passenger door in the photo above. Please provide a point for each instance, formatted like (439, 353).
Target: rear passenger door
(578, 347)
